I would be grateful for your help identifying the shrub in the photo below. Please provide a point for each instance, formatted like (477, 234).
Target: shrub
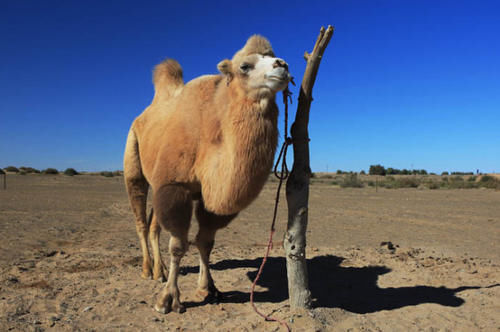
(50, 171)
(107, 174)
(11, 169)
(28, 169)
(118, 173)
(70, 172)
(432, 184)
(407, 182)
(339, 171)
(445, 173)
(2, 171)
(351, 181)
(488, 181)
(362, 172)
(377, 170)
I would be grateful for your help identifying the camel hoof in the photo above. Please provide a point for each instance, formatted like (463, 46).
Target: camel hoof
(209, 296)
(160, 279)
(146, 275)
(179, 308)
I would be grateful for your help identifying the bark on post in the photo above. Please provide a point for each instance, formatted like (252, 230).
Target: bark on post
(297, 185)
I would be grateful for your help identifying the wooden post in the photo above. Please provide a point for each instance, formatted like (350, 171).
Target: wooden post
(297, 185)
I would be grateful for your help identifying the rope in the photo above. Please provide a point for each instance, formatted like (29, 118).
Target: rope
(281, 176)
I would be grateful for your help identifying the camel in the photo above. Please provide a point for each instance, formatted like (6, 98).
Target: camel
(212, 142)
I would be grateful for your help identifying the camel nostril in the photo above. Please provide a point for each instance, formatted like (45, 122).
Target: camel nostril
(281, 63)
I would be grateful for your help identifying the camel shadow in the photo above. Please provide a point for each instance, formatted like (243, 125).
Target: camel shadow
(353, 289)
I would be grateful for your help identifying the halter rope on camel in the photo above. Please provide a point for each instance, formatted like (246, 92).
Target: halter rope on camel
(281, 176)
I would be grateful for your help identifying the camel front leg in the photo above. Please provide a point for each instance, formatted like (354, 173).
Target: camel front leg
(206, 287)
(209, 224)
(172, 206)
(169, 299)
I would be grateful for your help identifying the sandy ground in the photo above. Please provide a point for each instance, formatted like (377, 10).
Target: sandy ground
(70, 261)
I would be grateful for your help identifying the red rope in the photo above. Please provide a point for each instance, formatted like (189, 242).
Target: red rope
(282, 176)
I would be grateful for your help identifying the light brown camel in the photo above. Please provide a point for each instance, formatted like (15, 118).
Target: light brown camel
(212, 141)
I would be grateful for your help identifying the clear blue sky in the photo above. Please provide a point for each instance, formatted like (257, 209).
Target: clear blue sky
(407, 84)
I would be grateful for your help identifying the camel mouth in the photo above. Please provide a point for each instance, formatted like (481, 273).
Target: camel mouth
(278, 78)
(278, 73)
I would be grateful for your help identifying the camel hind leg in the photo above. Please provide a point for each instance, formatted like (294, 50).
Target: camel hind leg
(160, 272)
(137, 189)
(209, 223)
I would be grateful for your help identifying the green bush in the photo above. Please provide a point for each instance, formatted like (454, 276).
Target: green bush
(351, 181)
(445, 173)
(377, 170)
(11, 169)
(70, 172)
(50, 171)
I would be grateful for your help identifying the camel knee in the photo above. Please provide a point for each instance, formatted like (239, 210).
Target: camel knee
(177, 248)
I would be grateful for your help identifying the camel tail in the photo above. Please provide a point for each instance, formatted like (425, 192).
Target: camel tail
(167, 79)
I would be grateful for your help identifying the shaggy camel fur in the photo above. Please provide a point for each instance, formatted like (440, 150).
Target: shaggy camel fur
(212, 141)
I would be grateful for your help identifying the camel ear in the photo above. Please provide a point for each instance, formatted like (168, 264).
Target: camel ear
(225, 67)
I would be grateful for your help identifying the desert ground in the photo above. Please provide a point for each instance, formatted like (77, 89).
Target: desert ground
(386, 260)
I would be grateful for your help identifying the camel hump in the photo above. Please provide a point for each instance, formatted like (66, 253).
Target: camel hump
(167, 78)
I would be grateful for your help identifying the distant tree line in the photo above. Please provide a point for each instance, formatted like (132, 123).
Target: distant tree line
(52, 171)
(381, 170)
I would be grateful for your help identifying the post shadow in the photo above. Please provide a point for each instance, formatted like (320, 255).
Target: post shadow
(353, 289)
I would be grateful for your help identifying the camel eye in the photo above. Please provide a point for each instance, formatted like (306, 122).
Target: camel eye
(245, 67)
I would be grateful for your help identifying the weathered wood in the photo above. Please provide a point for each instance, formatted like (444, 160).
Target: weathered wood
(297, 186)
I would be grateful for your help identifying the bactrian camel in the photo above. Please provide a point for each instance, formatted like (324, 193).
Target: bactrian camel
(212, 141)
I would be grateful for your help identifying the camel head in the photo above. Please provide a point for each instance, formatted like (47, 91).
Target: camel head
(256, 69)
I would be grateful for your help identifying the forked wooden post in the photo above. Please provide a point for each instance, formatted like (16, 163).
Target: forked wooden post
(297, 185)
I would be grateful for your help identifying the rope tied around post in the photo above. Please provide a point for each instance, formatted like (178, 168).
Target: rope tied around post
(287, 95)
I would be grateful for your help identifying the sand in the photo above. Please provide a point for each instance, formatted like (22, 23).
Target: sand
(392, 260)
